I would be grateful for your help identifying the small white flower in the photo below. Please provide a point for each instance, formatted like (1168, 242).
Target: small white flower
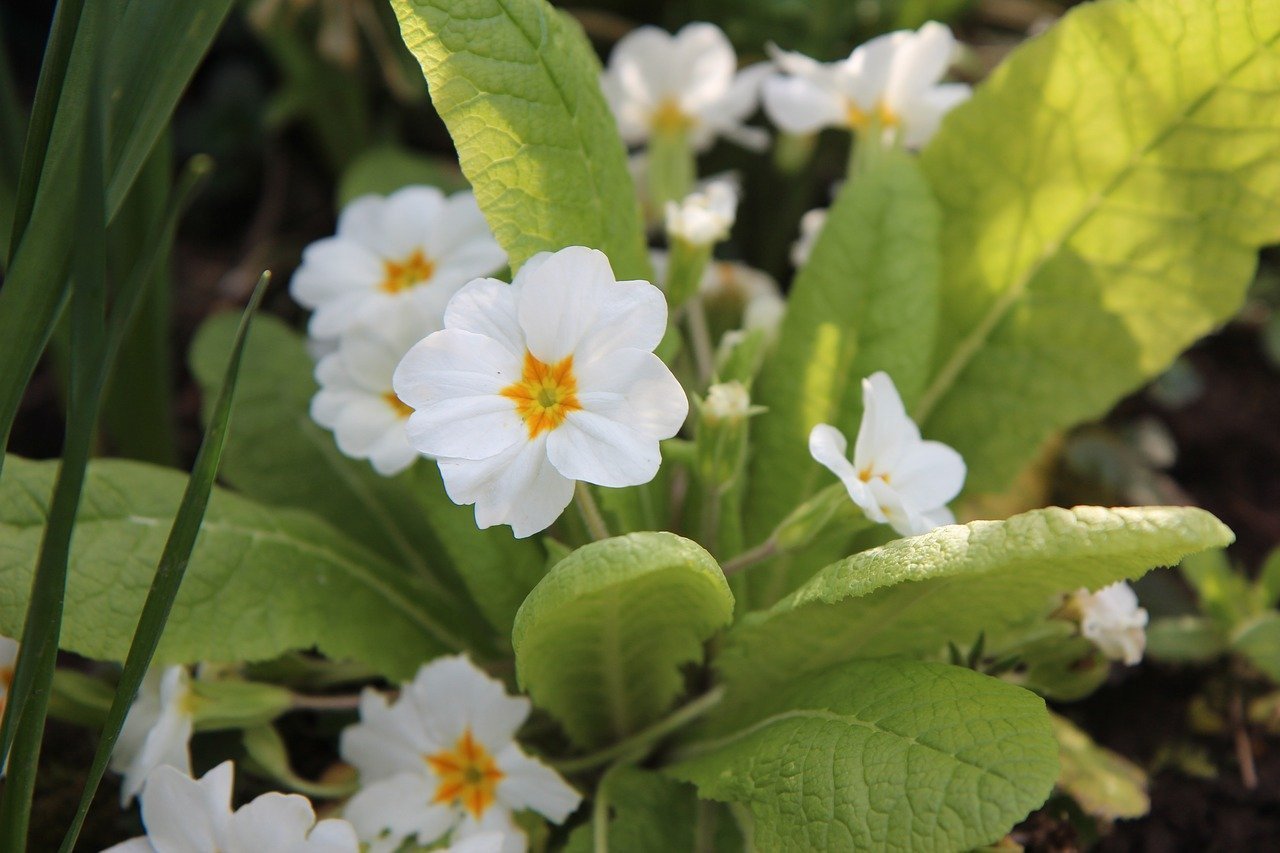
(443, 757)
(157, 730)
(1112, 620)
(185, 815)
(727, 401)
(892, 80)
(538, 383)
(415, 244)
(810, 227)
(704, 217)
(689, 82)
(895, 477)
(356, 400)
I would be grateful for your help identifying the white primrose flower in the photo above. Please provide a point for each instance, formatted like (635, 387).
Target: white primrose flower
(895, 477)
(443, 758)
(810, 227)
(704, 217)
(414, 245)
(185, 815)
(157, 730)
(1112, 620)
(892, 81)
(538, 383)
(689, 82)
(356, 400)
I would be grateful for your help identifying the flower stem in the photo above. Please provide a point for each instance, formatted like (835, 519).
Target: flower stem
(700, 340)
(591, 514)
(645, 738)
(766, 549)
(303, 702)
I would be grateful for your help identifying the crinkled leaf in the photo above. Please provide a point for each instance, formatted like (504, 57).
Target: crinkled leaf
(883, 755)
(865, 301)
(1104, 194)
(277, 454)
(261, 580)
(516, 83)
(600, 640)
(913, 595)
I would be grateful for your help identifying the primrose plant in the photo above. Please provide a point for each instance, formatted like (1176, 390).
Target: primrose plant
(709, 533)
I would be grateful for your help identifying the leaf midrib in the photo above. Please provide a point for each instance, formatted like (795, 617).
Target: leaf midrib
(969, 347)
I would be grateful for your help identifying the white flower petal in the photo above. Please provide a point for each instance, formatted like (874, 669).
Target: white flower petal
(923, 115)
(560, 300)
(332, 268)
(865, 74)
(387, 741)
(496, 819)
(597, 449)
(704, 62)
(801, 106)
(332, 836)
(530, 784)
(182, 814)
(634, 387)
(409, 216)
(451, 695)
(482, 842)
(828, 447)
(518, 487)
(489, 307)
(919, 63)
(886, 429)
(156, 733)
(928, 475)
(399, 808)
(272, 821)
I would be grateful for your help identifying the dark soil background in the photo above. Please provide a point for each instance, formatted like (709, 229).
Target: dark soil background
(273, 192)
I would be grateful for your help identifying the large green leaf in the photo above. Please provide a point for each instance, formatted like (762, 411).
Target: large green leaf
(865, 301)
(600, 640)
(277, 454)
(913, 595)
(261, 581)
(1103, 197)
(884, 755)
(649, 812)
(516, 82)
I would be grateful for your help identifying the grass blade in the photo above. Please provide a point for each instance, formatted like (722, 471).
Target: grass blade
(173, 564)
(28, 703)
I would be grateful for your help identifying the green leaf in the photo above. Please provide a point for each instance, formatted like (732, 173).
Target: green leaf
(883, 755)
(266, 755)
(1103, 195)
(649, 812)
(516, 83)
(1259, 641)
(1185, 639)
(1106, 785)
(278, 455)
(1269, 579)
(913, 595)
(1225, 594)
(865, 301)
(387, 168)
(261, 581)
(600, 640)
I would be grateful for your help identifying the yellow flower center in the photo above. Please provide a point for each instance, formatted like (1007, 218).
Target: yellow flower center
(402, 409)
(545, 394)
(468, 774)
(866, 475)
(669, 118)
(404, 274)
(860, 119)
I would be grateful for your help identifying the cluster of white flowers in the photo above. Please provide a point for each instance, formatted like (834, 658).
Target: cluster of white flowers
(442, 760)
(705, 216)
(377, 287)
(1112, 620)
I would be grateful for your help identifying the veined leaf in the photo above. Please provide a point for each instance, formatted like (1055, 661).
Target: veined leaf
(261, 581)
(600, 640)
(278, 455)
(883, 755)
(1106, 785)
(865, 301)
(1103, 195)
(516, 83)
(913, 595)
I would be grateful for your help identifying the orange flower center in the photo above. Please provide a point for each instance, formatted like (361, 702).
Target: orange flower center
(402, 409)
(860, 119)
(6, 682)
(404, 274)
(669, 118)
(545, 394)
(468, 774)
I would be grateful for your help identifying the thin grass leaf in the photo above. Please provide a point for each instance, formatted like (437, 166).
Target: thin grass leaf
(28, 703)
(13, 129)
(169, 574)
